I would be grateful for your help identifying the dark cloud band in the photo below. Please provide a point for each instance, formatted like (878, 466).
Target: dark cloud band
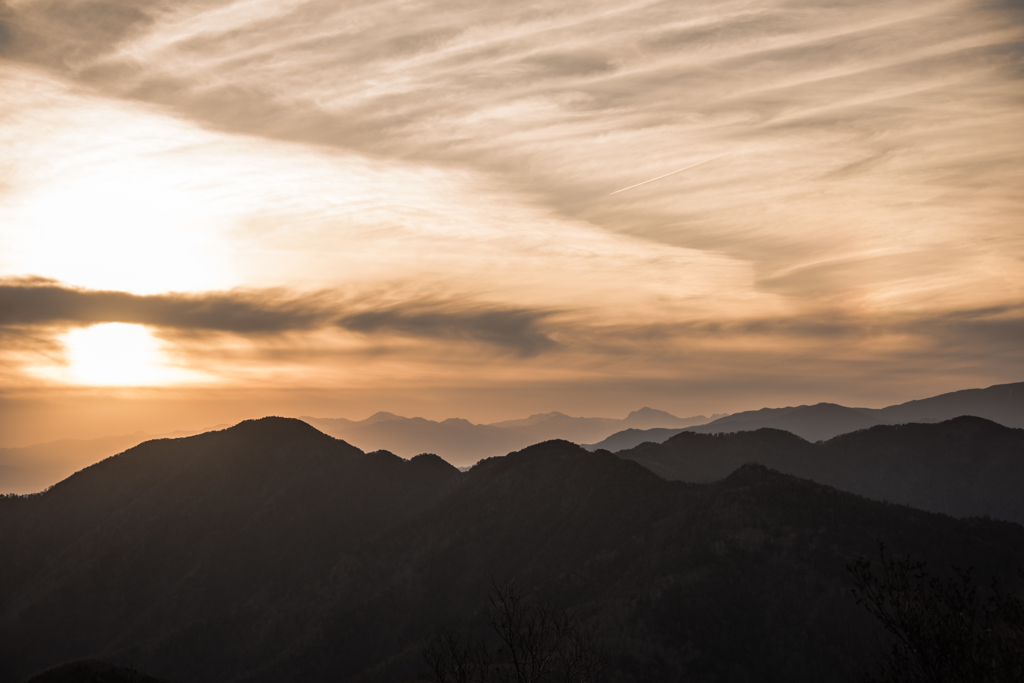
(40, 301)
(966, 333)
(513, 329)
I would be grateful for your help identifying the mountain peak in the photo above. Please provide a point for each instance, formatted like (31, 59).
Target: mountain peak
(754, 474)
(554, 446)
(648, 417)
(557, 460)
(275, 426)
(382, 416)
(457, 421)
(649, 413)
(535, 419)
(431, 462)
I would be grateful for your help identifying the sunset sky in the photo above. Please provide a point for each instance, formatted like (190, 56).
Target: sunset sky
(213, 210)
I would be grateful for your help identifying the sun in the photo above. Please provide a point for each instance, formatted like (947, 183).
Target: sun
(118, 354)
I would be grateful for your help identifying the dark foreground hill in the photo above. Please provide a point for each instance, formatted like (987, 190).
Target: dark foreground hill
(271, 552)
(630, 438)
(173, 531)
(964, 467)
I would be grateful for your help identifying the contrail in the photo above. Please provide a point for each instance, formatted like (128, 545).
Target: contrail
(684, 168)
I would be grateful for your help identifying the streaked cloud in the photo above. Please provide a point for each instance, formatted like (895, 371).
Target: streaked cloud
(37, 302)
(843, 124)
(446, 172)
(515, 329)
(992, 332)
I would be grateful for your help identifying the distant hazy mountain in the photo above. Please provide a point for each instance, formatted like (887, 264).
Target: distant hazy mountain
(967, 466)
(814, 423)
(272, 552)
(821, 421)
(463, 443)
(1002, 403)
(32, 468)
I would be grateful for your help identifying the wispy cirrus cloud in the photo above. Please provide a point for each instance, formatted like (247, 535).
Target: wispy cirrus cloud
(858, 219)
(994, 328)
(842, 130)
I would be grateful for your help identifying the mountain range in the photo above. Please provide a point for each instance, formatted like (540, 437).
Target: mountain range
(30, 469)
(967, 466)
(463, 443)
(1001, 403)
(270, 551)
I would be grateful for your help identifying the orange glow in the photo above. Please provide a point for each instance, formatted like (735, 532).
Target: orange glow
(116, 354)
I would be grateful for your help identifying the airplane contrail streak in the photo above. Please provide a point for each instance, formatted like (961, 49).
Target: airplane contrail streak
(685, 168)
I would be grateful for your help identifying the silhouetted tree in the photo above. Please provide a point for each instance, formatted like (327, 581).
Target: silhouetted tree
(942, 630)
(536, 644)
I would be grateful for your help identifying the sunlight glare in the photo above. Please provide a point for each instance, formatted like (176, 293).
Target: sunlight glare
(118, 354)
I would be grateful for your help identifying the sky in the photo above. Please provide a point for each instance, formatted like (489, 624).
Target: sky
(213, 210)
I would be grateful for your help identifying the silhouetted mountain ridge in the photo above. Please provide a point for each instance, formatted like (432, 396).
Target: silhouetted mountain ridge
(569, 522)
(271, 552)
(201, 507)
(964, 466)
(30, 469)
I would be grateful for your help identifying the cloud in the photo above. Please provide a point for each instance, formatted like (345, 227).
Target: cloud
(35, 301)
(567, 64)
(573, 103)
(6, 27)
(863, 203)
(39, 301)
(946, 339)
(514, 329)
(73, 34)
